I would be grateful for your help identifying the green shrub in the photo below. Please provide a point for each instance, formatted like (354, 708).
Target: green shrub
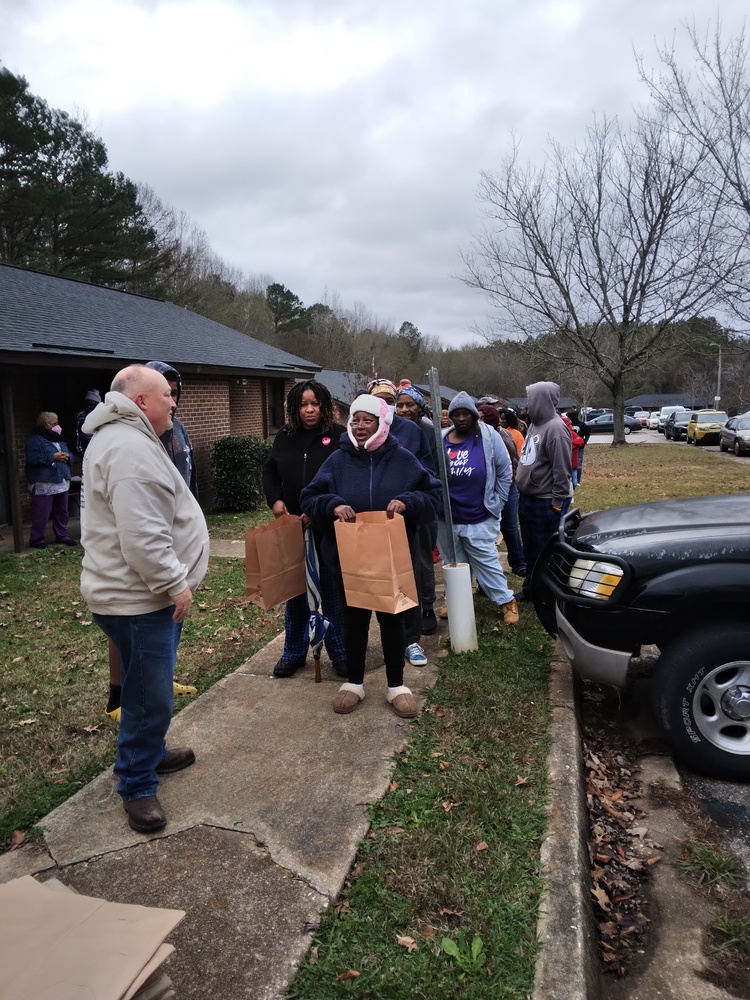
(237, 463)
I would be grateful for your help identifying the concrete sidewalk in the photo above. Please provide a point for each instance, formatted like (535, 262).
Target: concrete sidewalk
(262, 829)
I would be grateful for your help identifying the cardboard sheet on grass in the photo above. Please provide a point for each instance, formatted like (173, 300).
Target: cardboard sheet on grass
(62, 946)
(275, 561)
(376, 562)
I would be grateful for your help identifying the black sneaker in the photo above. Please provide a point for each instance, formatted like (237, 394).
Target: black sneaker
(429, 622)
(285, 668)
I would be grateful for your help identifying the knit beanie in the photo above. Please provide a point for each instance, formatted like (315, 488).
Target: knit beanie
(378, 408)
(490, 415)
(463, 401)
(92, 396)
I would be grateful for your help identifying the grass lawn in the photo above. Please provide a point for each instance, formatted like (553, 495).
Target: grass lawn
(443, 896)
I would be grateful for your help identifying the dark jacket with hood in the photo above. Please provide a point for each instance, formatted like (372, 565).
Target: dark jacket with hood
(294, 461)
(544, 466)
(369, 481)
(177, 440)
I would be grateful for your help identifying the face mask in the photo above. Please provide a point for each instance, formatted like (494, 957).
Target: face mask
(56, 428)
(392, 410)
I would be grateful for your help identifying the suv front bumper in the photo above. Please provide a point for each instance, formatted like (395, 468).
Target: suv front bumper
(595, 663)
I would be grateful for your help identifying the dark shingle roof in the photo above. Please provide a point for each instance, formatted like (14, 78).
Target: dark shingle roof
(655, 400)
(446, 393)
(46, 314)
(343, 386)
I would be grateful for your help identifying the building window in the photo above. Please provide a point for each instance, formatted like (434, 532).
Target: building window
(276, 403)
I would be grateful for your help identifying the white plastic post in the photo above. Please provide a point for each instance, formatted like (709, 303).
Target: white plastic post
(460, 600)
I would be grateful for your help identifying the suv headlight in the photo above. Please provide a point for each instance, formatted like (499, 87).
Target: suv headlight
(594, 578)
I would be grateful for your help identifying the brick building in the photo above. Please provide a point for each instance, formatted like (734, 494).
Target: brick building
(60, 337)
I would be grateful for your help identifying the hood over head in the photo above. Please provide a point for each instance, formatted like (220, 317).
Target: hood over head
(378, 407)
(463, 401)
(541, 401)
(170, 374)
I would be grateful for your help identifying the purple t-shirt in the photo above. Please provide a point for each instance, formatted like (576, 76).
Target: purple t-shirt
(468, 480)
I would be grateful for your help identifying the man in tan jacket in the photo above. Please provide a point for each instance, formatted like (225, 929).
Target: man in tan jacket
(145, 551)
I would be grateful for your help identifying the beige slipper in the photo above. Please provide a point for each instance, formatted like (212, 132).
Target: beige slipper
(347, 699)
(402, 702)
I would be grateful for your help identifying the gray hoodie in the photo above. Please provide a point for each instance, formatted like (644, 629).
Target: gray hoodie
(143, 532)
(544, 466)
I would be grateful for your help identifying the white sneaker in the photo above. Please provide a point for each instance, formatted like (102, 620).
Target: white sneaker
(415, 655)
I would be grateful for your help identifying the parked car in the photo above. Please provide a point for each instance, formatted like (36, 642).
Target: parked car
(676, 574)
(664, 413)
(675, 429)
(705, 426)
(735, 435)
(641, 416)
(605, 423)
(653, 420)
(596, 411)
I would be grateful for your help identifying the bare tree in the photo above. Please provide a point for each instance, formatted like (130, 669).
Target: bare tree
(709, 109)
(596, 253)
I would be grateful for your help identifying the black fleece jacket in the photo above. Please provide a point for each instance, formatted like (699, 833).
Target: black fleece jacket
(294, 462)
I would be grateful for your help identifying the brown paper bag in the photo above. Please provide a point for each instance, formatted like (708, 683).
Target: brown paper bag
(376, 562)
(275, 561)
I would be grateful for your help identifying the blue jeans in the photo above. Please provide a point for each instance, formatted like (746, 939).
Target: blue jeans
(147, 645)
(476, 544)
(576, 475)
(512, 533)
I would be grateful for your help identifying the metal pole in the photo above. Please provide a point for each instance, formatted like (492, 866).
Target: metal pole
(718, 381)
(442, 461)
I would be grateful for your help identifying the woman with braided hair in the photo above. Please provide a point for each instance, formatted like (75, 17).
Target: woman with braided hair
(299, 449)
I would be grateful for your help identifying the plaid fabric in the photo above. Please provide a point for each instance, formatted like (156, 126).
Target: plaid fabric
(539, 521)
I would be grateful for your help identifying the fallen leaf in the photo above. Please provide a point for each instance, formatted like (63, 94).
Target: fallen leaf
(521, 781)
(602, 898)
(313, 955)
(345, 976)
(443, 765)
(652, 861)
(428, 931)
(17, 659)
(393, 786)
(394, 829)
(447, 806)
(482, 846)
(92, 729)
(407, 942)
(26, 722)
(16, 839)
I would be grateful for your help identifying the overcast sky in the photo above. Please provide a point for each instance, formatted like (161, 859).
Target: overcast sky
(337, 144)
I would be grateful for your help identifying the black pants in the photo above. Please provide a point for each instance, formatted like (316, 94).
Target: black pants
(356, 629)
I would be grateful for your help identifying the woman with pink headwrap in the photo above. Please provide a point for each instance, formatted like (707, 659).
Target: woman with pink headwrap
(370, 471)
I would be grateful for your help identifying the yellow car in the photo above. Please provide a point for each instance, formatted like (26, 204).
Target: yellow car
(705, 426)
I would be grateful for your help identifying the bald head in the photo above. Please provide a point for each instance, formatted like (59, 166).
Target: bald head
(150, 392)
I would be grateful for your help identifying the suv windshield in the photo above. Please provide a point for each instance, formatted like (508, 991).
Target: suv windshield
(711, 418)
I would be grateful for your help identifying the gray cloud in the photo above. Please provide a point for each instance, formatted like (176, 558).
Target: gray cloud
(366, 187)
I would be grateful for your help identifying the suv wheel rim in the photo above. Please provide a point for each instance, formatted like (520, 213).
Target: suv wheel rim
(721, 707)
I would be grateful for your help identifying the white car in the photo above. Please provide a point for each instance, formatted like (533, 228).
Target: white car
(653, 421)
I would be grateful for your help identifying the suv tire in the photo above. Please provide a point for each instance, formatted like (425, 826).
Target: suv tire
(701, 696)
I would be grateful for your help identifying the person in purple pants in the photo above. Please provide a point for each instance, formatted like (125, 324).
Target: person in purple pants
(48, 479)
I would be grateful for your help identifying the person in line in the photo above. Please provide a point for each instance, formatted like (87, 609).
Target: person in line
(509, 527)
(410, 404)
(146, 550)
(176, 440)
(509, 421)
(576, 442)
(544, 474)
(90, 400)
(48, 479)
(412, 436)
(303, 444)
(370, 471)
(480, 477)
(582, 430)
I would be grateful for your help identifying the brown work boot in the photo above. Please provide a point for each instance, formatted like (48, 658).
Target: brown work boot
(510, 612)
(175, 759)
(145, 815)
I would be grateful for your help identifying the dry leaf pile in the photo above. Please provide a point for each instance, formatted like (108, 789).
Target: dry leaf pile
(619, 864)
